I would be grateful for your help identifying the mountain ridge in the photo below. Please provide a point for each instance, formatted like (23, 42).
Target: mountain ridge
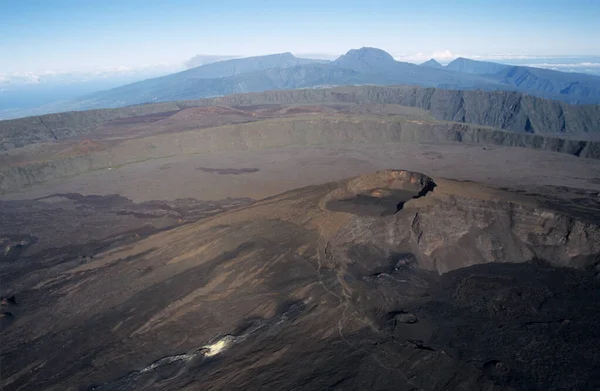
(365, 66)
(373, 66)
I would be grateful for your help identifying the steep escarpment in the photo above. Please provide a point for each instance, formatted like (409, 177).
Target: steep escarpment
(503, 110)
(73, 158)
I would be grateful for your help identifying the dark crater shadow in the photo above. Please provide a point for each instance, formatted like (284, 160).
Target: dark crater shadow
(429, 186)
(369, 205)
(385, 200)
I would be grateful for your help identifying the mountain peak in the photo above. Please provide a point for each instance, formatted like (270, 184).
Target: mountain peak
(368, 53)
(432, 64)
(459, 61)
(366, 60)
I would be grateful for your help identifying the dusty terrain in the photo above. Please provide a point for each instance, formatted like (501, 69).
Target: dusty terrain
(210, 248)
(206, 133)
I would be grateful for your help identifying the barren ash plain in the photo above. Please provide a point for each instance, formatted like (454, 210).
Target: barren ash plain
(344, 238)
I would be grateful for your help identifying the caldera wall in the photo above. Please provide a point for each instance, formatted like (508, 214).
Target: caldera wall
(313, 130)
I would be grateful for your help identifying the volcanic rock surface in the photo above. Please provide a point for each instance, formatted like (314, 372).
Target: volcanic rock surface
(390, 280)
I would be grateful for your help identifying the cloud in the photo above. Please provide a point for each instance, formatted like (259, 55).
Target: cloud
(58, 77)
(543, 61)
(417, 58)
(584, 64)
(591, 68)
(444, 55)
(318, 56)
(19, 78)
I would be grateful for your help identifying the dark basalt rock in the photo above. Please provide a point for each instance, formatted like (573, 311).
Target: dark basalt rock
(285, 293)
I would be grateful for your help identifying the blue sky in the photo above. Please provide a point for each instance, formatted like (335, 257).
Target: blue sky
(66, 35)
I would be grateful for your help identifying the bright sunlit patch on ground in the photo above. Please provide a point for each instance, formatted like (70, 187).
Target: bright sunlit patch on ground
(217, 347)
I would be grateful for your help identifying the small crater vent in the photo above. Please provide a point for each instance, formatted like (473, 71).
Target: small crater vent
(380, 194)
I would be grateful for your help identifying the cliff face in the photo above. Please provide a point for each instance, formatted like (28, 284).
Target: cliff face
(503, 110)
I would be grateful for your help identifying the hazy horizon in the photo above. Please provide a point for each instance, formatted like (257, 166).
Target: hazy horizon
(123, 74)
(67, 48)
(68, 36)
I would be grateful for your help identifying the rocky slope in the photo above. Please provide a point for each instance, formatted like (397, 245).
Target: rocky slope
(392, 280)
(503, 110)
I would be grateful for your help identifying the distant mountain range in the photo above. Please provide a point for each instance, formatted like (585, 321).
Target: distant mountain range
(365, 66)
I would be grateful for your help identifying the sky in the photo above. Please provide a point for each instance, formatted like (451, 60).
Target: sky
(84, 36)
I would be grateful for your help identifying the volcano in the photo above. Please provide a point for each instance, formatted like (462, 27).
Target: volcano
(389, 280)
